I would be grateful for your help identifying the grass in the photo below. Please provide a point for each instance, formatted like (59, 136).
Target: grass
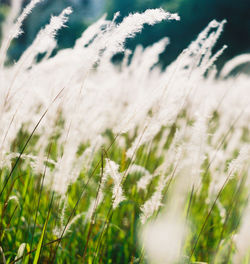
(111, 236)
(127, 164)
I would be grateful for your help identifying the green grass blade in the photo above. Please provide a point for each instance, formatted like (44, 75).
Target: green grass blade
(39, 247)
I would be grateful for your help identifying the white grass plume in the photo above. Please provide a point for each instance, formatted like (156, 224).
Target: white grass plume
(16, 30)
(133, 24)
(112, 169)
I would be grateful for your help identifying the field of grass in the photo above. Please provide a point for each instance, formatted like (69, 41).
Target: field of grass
(128, 163)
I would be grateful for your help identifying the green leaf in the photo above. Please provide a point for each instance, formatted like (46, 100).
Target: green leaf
(39, 247)
(26, 258)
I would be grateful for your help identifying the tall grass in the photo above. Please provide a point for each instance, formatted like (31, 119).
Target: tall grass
(128, 163)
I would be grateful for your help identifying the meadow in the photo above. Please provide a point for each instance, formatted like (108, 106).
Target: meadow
(126, 162)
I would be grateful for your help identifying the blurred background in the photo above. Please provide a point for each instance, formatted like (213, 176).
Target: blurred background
(195, 15)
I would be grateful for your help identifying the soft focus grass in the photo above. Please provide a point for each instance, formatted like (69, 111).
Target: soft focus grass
(118, 243)
(58, 116)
